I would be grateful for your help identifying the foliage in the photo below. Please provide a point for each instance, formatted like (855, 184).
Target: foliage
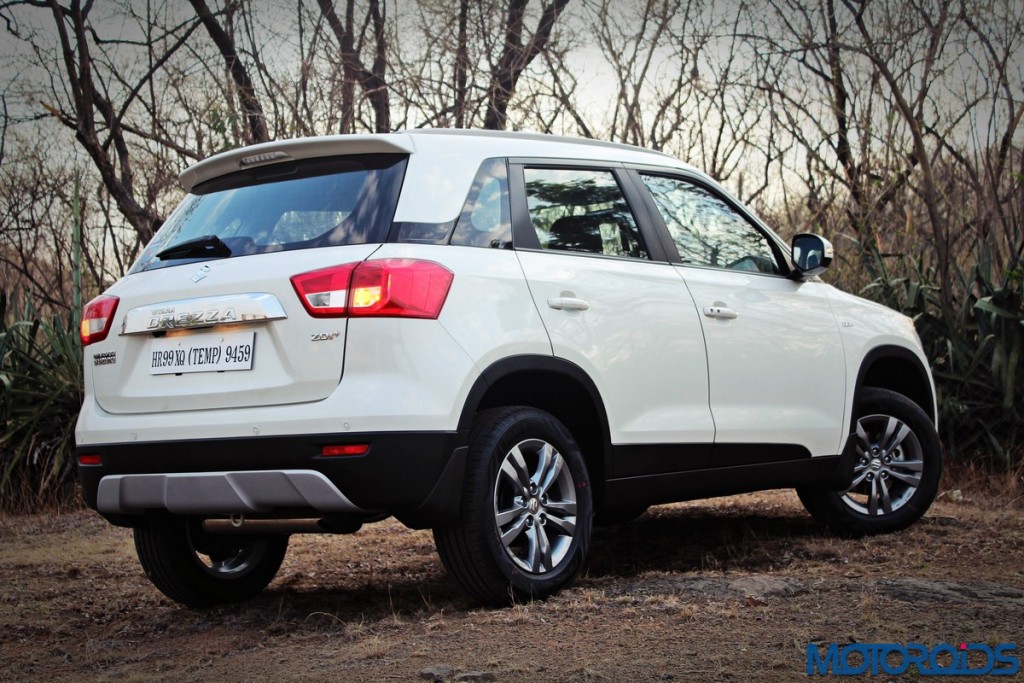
(40, 395)
(976, 354)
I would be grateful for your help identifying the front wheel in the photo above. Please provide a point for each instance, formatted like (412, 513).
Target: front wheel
(524, 524)
(200, 569)
(896, 474)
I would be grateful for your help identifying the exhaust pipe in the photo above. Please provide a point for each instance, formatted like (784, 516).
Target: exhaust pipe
(331, 524)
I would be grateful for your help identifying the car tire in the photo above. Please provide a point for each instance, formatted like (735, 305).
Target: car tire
(896, 473)
(199, 569)
(525, 518)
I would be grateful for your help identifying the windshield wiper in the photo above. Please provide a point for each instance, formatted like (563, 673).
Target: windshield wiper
(209, 246)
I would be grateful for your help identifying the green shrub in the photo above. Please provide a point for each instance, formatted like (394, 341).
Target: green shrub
(976, 354)
(40, 396)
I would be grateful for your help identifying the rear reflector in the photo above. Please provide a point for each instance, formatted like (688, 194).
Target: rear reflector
(98, 318)
(393, 288)
(90, 459)
(345, 449)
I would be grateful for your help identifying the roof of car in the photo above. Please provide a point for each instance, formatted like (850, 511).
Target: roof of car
(472, 145)
(522, 136)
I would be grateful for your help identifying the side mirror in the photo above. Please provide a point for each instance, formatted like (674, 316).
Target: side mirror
(812, 255)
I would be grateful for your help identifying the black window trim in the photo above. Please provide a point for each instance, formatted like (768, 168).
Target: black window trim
(779, 248)
(524, 236)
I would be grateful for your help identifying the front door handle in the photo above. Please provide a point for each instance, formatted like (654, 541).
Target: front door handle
(566, 303)
(720, 312)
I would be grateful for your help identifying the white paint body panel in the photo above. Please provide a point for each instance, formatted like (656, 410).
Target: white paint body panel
(777, 371)
(864, 326)
(440, 171)
(488, 313)
(398, 377)
(399, 374)
(639, 341)
(287, 366)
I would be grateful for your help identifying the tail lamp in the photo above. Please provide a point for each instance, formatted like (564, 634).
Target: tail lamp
(388, 288)
(98, 318)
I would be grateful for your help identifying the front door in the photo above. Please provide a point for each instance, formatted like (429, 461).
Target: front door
(775, 357)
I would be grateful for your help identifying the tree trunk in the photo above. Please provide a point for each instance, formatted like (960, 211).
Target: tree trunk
(115, 172)
(255, 120)
(515, 57)
(372, 81)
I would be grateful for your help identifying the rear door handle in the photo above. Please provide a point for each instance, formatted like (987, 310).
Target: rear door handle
(720, 312)
(565, 303)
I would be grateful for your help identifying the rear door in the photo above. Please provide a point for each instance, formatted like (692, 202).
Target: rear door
(209, 316)
(613, 306)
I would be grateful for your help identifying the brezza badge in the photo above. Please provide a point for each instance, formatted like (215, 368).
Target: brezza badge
(169, 319)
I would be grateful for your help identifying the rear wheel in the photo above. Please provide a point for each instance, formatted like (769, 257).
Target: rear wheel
(200, 569)
(524, 526)
(896, 475)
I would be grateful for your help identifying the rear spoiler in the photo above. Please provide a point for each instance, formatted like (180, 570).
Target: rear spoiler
(289, 150)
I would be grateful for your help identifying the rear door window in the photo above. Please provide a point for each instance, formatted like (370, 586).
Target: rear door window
(582, 210)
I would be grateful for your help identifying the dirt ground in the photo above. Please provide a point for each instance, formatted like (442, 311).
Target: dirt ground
(731, 589)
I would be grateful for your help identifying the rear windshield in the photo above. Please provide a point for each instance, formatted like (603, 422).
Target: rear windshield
(306, 204)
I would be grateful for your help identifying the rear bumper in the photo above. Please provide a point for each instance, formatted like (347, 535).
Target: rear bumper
(415, 476)
(228, 493)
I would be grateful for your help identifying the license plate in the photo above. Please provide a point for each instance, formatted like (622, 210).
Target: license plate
(201, 353)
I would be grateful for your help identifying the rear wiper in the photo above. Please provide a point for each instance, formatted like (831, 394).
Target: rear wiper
(209, 246)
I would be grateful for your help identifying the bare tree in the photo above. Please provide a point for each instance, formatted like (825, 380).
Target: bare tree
(372, 79)
(255, 119)
(516, 56)
(826, 99)
(831, 111)
(461, 64)
(97, 124)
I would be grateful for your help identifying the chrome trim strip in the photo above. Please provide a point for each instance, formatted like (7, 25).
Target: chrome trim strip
(202, 312)
(221, 493)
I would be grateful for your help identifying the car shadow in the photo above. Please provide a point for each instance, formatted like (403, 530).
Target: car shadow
(663, 540)
(704, 538)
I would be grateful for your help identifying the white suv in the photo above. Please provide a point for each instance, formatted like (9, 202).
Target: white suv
(496, 336)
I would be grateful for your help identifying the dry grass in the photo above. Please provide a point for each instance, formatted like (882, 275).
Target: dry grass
(729, 589)
(969, 482)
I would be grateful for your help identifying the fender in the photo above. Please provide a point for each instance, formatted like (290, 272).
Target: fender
(497, 385)
(915, 385)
